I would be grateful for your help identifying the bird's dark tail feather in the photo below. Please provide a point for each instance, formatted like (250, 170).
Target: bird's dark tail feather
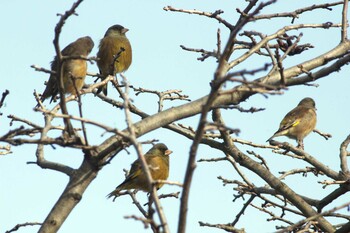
(114, 194)
(102, 89)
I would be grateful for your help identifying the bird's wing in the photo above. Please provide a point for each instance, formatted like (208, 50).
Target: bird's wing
(69, 49)
(151, 160)
(51, 85)
(135, 170)
(292, 119)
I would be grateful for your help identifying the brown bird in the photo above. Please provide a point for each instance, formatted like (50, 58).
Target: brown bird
(115, 54)
(73, 70)
(157, 159)
(299, 122)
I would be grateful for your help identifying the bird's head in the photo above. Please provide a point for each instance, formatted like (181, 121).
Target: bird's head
(307, 102)
(116, 30)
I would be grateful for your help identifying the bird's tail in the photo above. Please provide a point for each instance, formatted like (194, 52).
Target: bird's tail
(114, 193)
(102, 89)
(270, 138)
(42, 99)
(277, 134)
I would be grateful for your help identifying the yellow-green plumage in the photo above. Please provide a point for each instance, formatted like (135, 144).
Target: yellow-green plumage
(157, 159)
(113, 42)
(299, 122)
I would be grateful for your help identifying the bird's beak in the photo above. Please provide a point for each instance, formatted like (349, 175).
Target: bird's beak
(168, 152)
(124, 30)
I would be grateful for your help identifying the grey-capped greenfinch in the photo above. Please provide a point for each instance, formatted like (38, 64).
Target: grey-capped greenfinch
(299, 122)
(157, 159)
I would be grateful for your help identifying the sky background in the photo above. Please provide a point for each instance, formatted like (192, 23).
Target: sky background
(27, 192)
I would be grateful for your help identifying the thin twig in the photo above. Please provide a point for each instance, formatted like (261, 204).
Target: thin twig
(80, 104)
(4, 150)
(23, 225)
(3, 97)
(241, 212)
(332, 182)
(145, 168)
(60, 61)
(226, 227)
(275, 35)
(146, 221)
(162, 95)
(308, 158)
(295, 14)
(290, 228)
(214, 15)
(324, 135)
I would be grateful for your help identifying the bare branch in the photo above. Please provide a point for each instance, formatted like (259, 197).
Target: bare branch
(344, 28)
(273, 216)
(59, 58)
(241, 212)
(332, 182)
(4, 150)
(302, 171)
(85, 141)
(324, 135)
(155, 182)
(145, 168)
(295, 14)
(204, 53)
(3, 97)
(164, 95)
(146, 222)
(216, 134)
(308, 158)
(176, 195)
(215, 15)
(343, 157)
(226, 227)
(290, 228)
(23, 225)
(277, 34)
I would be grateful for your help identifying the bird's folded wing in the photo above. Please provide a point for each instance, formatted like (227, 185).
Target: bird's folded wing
(289, 124)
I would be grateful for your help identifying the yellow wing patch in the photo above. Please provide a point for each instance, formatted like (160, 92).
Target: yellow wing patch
(295, 123)
(135, 174)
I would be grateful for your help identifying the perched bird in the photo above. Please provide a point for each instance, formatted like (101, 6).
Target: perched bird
(73, 70)
(299, 122)
(157, 159)
(114, 54)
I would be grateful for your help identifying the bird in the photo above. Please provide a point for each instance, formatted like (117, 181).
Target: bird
(299, 122)
(157, 159)
(73, 70)
(114, 54)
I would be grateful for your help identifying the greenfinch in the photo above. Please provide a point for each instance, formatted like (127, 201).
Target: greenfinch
(114, 54)
(73, 70)
(299, 122)
(157, 159)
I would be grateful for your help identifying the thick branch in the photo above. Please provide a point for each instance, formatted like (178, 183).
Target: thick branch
(344, 28)
(83, 176)
(343, 156)
(71, 196)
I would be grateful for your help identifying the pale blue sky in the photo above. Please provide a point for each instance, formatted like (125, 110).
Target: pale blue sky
(28, 192)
